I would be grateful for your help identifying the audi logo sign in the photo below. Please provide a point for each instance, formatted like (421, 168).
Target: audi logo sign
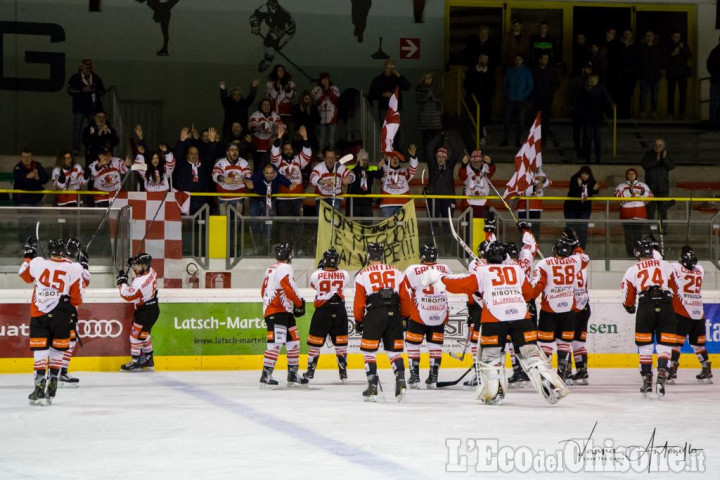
(99, 328)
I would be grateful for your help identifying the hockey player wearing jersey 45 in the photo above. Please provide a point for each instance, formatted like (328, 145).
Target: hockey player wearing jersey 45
(58, 287)
(143, 293)
(330, 317)
(281, 305)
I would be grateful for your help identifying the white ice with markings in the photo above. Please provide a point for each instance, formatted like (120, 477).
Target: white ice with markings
(218, 425)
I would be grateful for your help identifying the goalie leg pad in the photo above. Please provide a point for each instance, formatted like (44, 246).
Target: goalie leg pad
(545, 380)
(491, 371)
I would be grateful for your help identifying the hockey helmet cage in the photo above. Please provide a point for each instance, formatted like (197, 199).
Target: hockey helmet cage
(331, 258)
(375, 251)
(72, 246)
(428, 253)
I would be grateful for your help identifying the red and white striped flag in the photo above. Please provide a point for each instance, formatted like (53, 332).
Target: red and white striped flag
(391, 124)
(527, 162)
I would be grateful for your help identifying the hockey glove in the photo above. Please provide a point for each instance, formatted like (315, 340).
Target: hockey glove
(630, 309)
(430, 277)
(29, 249)
(490, 222)
(83, 259)
(121, 278)
(299, 311)
(359, 327)
(129, 262)
(532, 308)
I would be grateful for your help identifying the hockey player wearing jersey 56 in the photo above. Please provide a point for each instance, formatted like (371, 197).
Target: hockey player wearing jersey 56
(58, 287)
(427, 308)
(330, 317)
(143, 293)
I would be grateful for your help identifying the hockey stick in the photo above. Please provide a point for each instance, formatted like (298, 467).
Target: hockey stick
(687, 236)
(461, 357)
(279, 52)
(427, 207)
(457, 237)
(37, 238)
(343, 160)
(455, 382)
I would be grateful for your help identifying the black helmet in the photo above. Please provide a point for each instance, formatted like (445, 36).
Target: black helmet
(512, 250)
(331, 258)
(482, 248)
(283, 252)
(375, 251)
(688, 258)
(428, 253)
(144, 259)
(654, 244)
(72, 247)
(643, 249)
(562, 248)
(56, 247)
(495, 253)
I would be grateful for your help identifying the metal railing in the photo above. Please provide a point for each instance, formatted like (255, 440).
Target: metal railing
(453, 81)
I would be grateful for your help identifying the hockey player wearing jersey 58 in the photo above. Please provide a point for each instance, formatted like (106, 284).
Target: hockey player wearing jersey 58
(58, 287)
(330, 317)
(143, 293)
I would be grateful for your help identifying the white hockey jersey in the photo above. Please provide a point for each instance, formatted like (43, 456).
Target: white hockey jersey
(278, 290)
(155, 183)
(582, 297)
(328, 283)
(74, 180)
(555, 278)
(644, 275)
(427, 305)
(527, 253)
(397, 182)
(142, 289)
(238, 170)
(321, 172)
(688, 301)
(292, 170)
(372, 279)
(107, 178)
(53, 279)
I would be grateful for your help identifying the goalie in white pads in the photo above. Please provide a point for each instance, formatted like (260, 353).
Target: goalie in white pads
(505, 291)
(427, 308)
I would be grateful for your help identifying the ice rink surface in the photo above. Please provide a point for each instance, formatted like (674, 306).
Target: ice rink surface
(219, 425)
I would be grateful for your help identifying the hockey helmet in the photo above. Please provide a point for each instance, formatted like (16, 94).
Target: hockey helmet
(654, 244)
(495, 253)
(482, 248)
(688, 258)
(331, 258)
(375, 251)
(72, 246)
(643, 249)
(56, 247)
(428, 253)
(283, 252)
(512, 250)
(562, 248)
(142, 259)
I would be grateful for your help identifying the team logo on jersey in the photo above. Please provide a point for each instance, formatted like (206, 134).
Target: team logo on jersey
(99, 328)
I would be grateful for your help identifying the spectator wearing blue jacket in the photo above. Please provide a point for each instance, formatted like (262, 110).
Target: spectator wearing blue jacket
(517, 86)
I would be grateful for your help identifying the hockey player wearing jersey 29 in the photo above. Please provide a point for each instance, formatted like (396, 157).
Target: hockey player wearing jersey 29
(651, 283)
(330, 317)
(58, 287)
(689, 313)
(555, 279)
(143, 293)
(505, 292)
(281, 305)
(376, 309)
(582, 317)
(427, 308)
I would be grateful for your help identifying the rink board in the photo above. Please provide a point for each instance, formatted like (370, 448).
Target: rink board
(224, 330)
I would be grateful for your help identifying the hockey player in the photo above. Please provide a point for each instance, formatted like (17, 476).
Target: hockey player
(582, 317)
(428, 312)
(653, 282)
(75, 254)
(281, 305)
(58, 287)
(689, 313)
(505, 292)
(330, 317)
(280, 29)
(376, 309)
(555, 279)
(143, 293)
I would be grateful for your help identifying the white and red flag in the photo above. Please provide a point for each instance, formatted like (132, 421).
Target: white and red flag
(390, 127)
(527, 162)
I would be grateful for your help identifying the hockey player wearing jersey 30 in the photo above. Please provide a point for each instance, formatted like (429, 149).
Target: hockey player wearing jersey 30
(689, 313)
(376, 309)
(143, 293)
(427, 308)
(653, 282)
(58, 287)
(505, 292)
(330, 317)
(281, 305)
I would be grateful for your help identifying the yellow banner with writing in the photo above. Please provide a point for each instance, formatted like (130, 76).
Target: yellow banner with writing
(399, 234)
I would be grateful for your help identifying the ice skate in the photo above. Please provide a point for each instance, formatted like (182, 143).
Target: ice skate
(705, 375)
(414, 380)
(51, 390)
(519, 379)
(293, 380)
(133, 365)
(67, 381)
(310, 373)
(646, 388)
(370, 393)
(37, 397)
(342, 369)
(431, 382)
(672, 375)
(660, 385)
(580, 377)
(400, 387)
(148, 362)
(496, 400)
(266, 380)
(472, 383)
(562, 371)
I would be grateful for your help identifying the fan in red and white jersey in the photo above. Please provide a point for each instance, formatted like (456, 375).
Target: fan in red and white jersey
(158, 176)
(263, 125)
(635, 192)
(689, 313)
(329, 176)
(232, 175)
(475, 173)
(291, 166)
(396, 180)
(69, 176)
(106, 174)
(427, 309)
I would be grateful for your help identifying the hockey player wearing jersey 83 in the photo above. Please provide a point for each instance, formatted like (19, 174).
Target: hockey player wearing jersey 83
(58, 287)
(143, 293)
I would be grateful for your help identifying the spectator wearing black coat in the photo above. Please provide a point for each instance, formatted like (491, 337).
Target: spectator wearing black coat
(657, 164)
(98, 135)
(582, 186)
(545, 83)
(614, 55)
(480, 81)
(266, 182)
(236, 106)
(581, 54)
(193, 173)
(428, 96)
(713, 67)
(441, 165)
(28, 175)
(365, 176)
(650, 62)
(306, 113)
(541, 43)
(593, 103)
(629, 73)
(678, 72)
(85, 88)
